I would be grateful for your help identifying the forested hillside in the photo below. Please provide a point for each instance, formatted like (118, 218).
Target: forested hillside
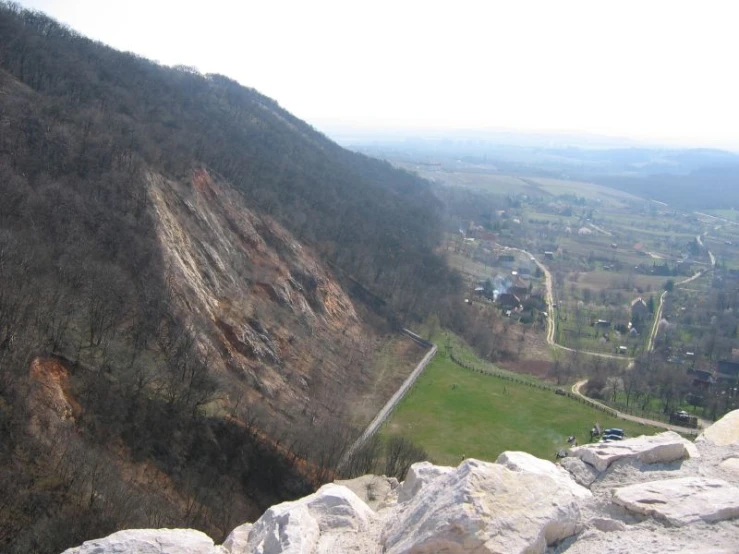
(176, 344)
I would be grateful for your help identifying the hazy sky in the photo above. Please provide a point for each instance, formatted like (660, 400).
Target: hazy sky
(645, 69)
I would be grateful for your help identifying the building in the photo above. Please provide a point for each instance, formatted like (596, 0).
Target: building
(702, 379)
(506, 260)
(727, 370)
(639, 310)
(509, 301)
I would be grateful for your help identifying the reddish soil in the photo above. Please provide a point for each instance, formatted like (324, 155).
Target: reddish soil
(537, 368)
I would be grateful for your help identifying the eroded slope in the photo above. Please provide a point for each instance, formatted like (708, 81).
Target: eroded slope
(279, 327)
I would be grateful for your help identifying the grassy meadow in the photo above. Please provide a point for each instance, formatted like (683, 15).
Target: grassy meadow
(453, 412)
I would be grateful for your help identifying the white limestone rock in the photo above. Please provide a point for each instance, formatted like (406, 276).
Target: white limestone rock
(525, 462)
(303, 526)
(149, 541)
(237, 539)
(420, 475)
(681, 501)
(373, 490)
(662, 448)
(607, 525)
(731, 466)
(283, 530)
(725, 432)
(483, 508)
(584, 474)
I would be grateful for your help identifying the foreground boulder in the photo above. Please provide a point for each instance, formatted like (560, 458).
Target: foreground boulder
(525, 462)
(486, 508)
(150, 541)
(330, 520)
(682, 501)
(659, 449)
(725, 432)
(419, 476)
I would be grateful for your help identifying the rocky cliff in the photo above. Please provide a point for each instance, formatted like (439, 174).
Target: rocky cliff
(647, 495)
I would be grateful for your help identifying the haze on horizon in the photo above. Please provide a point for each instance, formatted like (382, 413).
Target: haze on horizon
(659, 72)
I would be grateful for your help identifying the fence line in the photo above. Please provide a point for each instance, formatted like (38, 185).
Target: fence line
(388, 408)
(540, 386)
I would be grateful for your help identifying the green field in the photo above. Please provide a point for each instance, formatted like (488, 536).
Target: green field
(453, 412)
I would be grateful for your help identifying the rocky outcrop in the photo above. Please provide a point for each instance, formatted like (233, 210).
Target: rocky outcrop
(682, 501)
(663, 448)
(643, 495)
(150, 541)
(474, 508)
(724, 432)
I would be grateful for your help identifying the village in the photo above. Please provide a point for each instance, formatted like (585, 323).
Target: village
(631, 282)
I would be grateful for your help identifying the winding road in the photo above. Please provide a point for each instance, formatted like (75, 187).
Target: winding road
(644, 421)
(551, 320)
(650, 345)
(551, 329)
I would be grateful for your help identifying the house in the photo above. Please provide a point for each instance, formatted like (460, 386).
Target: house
(639, 310)
(702, 379)
(728, 370)
(506, 260)
(549, 254)
(519, 287)
(509, 301)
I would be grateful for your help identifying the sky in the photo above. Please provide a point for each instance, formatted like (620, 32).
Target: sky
(650, 70)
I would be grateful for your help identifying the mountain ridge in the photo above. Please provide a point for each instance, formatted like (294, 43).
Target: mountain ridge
(197, 260)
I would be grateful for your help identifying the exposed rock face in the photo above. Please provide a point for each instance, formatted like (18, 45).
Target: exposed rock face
(653, 495)
(272, 319)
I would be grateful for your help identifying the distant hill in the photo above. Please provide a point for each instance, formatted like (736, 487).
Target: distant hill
(193, 285)
(697, 178)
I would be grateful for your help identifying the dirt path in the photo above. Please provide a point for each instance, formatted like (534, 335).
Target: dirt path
(658, 315)
(655, 325)
(551, 330)
(601, 229)
(644, 421)
(551, 319)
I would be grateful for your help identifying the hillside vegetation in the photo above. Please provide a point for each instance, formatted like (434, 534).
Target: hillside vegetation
(192, 286)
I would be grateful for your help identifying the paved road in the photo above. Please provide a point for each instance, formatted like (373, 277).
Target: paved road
(644, 421)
